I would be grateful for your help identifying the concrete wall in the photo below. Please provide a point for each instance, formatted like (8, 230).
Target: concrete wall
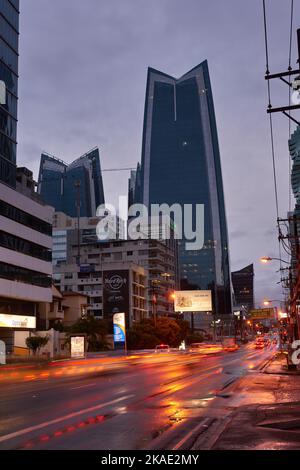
(54, 347)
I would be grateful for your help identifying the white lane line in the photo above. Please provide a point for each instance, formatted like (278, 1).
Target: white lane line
(83, 386)
(188, 435)
(62, 418)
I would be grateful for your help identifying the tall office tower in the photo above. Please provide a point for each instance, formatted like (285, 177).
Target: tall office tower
(62, 185)
(9, 47)
(243, 287)
(134, 186)
(181, 164)
(25, 223)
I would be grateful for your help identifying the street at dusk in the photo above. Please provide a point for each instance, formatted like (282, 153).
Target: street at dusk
(152, 401)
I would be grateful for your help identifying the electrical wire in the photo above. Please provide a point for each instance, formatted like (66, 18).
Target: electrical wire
(271, 126)
(290, 68)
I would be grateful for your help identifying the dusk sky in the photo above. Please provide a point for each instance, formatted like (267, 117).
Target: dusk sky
(83, 69)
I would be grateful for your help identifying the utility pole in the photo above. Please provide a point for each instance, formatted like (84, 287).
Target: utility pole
(282, 76)
(294, 104)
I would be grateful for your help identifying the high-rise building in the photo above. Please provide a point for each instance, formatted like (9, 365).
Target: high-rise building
(243, 287)
(62, 185)
(25, 222)
(9, 52)
(181, 164)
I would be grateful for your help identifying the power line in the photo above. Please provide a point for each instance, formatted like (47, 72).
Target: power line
(290, 68)
(271, 125)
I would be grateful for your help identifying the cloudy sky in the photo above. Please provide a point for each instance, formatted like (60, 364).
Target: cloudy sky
(83, 67)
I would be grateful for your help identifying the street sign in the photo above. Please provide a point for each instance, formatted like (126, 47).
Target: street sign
(78, 346)
(192, 301)
(119, 330)
(17, 321)
(262, 313)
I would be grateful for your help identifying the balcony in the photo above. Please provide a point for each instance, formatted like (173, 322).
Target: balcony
(58, 315)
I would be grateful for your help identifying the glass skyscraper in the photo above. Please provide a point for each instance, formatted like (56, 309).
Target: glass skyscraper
(58, 184)
(9, 48)
(181, 164)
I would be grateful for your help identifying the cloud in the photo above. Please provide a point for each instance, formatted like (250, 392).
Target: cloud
(83, 72)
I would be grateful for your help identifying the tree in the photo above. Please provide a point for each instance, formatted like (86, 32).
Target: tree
(35, 343)
(184, 328)
(146, 335)
(95, 331)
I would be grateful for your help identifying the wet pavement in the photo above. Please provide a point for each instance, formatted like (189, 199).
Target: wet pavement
(263, 413)
(155, 401)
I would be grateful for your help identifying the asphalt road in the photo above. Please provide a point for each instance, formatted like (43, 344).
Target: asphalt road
(151, 401)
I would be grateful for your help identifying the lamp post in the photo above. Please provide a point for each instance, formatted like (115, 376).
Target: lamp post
(266, 259)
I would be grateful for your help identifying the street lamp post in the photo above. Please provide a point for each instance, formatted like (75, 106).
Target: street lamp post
(266, 259)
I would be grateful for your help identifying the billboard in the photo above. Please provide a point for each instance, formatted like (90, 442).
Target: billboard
(262, 313)
(17, 321)
(192, 301)
(115, 293)
(119, 328)
(77, 347)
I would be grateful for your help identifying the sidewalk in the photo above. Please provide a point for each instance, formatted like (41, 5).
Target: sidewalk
(265, 411)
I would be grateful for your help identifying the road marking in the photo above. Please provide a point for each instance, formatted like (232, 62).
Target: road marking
(188, 435)
(12, 435)
(82, 386)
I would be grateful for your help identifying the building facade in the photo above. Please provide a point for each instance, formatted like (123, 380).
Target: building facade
(9, 52)
(25, 257)
(69, 187)
(294, 232)
(157, 258)
(25, 222)
(243, 287)
(181, 165)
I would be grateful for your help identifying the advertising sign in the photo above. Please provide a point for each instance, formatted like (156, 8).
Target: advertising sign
(17, 321)
(119, 328)
(192, 301)
(77, 347)
(262, 313)
(115, 293)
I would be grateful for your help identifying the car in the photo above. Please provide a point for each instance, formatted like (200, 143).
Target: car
(230, 345)
(162, 348)
(260, 343)
(205, 348)
(195, 347)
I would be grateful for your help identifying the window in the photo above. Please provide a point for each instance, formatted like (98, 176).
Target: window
(15, 273)
(129, 253)
(21, 217)
(11, 242)
(68, 275)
